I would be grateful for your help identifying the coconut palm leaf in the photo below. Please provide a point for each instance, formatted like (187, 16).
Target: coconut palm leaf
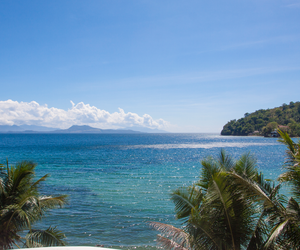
(225, 161)
(185, 199)
(172, 237)
(285, 139)
(219, 197)
(38, 182)
(259, 233)
(254, 190)
(169, 244)
(292, 178)
(203, 230)
(269, 207)
(209, 167)
(246, 166)
(49, 202)
(20, 177)
(18, 217)
(276, 233)
(290, 238)
(293, 151)
(292, 164)
(48, 237)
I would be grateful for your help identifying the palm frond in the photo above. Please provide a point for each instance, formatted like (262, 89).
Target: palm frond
(49, 202)
(219, 195)
(48, 237)
(292, 178)
(168, 230)
(292, 164)
(203, 231)
(293, 151)
(225, 161)
(7, 237)
(209, 167)
(169, 244)
(259, 233)
(2, 187)
(185, 199)
(254, 190)
(24, 211)
(177, 235)
(276, 232)
(286, 140)
(21, 176)
(18, 217)
(36, 184)
(246, 166)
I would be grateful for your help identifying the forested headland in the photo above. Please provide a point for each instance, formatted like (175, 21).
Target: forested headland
(265, 121)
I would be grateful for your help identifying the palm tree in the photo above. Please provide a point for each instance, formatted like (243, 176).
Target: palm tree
(21, 205)
(292, 164)
(228, 208)
(286, 225)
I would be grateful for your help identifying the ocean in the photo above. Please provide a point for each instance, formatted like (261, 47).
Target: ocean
(117, 183)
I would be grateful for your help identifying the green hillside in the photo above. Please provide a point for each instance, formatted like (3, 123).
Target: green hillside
(264, 121)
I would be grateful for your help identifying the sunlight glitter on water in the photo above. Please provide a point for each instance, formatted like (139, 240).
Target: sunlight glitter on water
(116, 183)
(202, 145)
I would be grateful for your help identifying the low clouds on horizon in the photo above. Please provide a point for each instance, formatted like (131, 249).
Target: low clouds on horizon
(32, 113)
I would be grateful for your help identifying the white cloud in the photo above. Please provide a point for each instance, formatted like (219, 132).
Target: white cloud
(32, 113)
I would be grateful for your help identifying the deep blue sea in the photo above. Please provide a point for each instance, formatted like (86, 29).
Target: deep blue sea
(117, 183)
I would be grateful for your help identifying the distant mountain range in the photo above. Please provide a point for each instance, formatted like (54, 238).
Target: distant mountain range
(75, 129)
(84, 129)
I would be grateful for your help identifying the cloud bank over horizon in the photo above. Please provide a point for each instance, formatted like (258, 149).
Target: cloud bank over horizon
(32, 113)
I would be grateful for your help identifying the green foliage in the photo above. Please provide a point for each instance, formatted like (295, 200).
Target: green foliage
(220, 211)
(292, 165)
(263, 120)
(21, 205)
(271, 126)
(48, 237)
(233, 207)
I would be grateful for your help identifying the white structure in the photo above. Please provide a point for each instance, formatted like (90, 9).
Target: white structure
(70, 248)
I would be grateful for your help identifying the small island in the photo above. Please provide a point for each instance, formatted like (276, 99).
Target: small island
(265, 122)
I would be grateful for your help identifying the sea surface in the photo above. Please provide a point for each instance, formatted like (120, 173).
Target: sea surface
(117, 183)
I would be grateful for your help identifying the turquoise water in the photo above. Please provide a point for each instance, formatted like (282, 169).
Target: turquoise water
(117, 183)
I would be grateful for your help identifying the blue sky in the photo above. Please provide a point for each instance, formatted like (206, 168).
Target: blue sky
(182, 66)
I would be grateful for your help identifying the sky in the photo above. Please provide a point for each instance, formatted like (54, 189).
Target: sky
(178, 66)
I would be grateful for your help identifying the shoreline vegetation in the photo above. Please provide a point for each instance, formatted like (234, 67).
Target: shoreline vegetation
(266, 122)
